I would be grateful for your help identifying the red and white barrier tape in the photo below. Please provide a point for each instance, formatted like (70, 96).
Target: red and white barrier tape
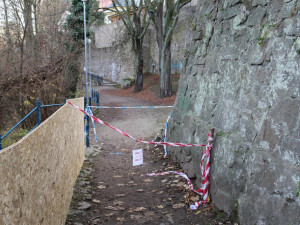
(136, 139)
(204, 172)
(190, 184)
(203, 191)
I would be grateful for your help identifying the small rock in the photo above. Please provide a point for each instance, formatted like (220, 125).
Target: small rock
(88, 197)
(77, 212)
(84, 205)
(170, 220)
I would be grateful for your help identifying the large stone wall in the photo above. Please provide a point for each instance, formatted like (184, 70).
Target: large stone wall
(242, 77)
(38, 173)
(111, 54)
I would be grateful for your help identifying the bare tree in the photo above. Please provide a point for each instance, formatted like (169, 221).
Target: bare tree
(136, 21)
(164, 23)
(36, 61)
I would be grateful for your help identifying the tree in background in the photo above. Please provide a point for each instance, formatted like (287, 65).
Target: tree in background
(164, 22)
(38, 58)
(75, 20)
(134, 15)
(74, 26)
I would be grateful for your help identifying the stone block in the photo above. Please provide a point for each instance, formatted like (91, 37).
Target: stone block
(256, 16)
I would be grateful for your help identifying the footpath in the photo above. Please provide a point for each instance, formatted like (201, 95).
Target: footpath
(111, 191)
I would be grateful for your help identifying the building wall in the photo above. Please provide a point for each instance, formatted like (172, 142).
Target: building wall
(38, 173)
(104, 3)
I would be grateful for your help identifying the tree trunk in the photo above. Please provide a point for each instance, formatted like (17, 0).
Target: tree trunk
(139, 63)
(165, 73)
(29, 35)
(7, 35)
(159, 31)
(7, 32)
(36, 27)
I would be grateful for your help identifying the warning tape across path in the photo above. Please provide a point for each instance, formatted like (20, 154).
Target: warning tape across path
(130, 107)
(136, 139)
(203, 191)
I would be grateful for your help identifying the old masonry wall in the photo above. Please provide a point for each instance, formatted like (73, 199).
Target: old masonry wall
(241, 77)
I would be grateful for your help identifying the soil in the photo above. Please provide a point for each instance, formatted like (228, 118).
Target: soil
(119, 193)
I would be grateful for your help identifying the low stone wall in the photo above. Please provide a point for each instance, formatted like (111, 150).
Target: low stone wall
(38, 173)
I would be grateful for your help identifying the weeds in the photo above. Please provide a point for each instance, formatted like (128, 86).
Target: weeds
(13, 137)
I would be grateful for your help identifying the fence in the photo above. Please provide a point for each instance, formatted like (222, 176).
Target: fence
(38, 172)
(37, 109)
(95, 98)
(96, 78)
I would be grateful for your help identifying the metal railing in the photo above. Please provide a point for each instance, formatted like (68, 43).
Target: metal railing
(38, 119)
(95, 98)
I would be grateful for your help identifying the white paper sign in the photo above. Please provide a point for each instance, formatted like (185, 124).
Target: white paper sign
(137, 157)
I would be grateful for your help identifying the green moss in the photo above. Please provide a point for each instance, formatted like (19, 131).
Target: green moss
(298, 190)
(234, 217)
(224, 134)
(13, 137)
(221, 216)
(260, 40)
(239, 152)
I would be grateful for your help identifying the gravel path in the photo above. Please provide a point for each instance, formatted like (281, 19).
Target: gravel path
(118, 193)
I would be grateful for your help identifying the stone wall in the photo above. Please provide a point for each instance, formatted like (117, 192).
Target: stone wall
(241, 77)
(38, 173)
(111, 48)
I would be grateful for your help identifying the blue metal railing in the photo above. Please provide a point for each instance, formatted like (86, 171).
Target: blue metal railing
(38, 119)
(95, 97)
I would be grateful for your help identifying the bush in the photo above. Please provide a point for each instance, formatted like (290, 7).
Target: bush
(13, 137)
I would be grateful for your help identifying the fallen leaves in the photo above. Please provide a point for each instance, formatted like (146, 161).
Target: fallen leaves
(198, 212)
(136, 217)
(139, 209)
(115, 208)
(179, 205)
(140, 190)
(121, 219)
(149, 214)
(148, 180)
(101, 186)
(131, 183)
(118, 203)
(120, 195)
(96, 201)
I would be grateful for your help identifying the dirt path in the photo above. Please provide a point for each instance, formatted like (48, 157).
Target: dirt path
(123, 194)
